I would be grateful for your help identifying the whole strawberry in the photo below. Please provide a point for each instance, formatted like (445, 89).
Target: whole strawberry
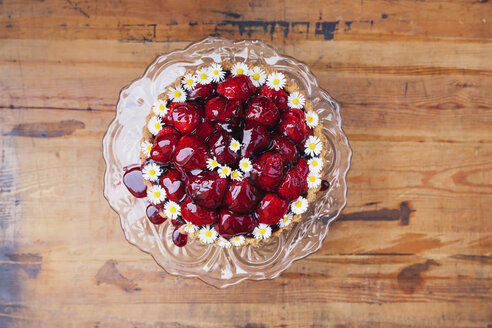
(271, 209)
(196, 214)
(239, 86)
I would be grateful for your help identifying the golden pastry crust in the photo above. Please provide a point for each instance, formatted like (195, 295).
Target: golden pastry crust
(290, 86)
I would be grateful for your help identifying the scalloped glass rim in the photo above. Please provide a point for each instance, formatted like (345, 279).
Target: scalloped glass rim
(216, 266)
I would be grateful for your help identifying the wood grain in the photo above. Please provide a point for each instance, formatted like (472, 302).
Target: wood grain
(412, 248)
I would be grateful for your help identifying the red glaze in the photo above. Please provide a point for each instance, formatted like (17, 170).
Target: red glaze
(231, 224)
(204, 130)
(270, 171)
(207, 189)
(134, 182)
(303, 171)
(196, 214)
(271, 209)
(164, 145)
(285, 147)
(202, 91)
(179, 239)
(171, 182)
(280, 97)
(219, 147)
(255, 139)
(190, 154)
(242, 197)
(185, 117)
(178, 222)
(290, 187)
(293, 125)
(215, 107)
(239, 86)
(263, 110)
(152, 212)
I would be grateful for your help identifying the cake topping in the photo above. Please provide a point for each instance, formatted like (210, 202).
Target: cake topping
(203, 75)
(151, 172)
(312, 119)
(285, 221)
(239, 69)
(258, 76)
(262, 231)
(276, 81)
(224, 171)
(156, 194)
(146, 148)
(172, 210)
(234, 145)
(189, 82)
(313, 146)
(155, 125)
(245, 165)
(177, 94)
(216, 72)
(314, 180)
(207, 235)
(299, 206)
(212, 163)
(222, 242)
(190, 227)
(296, 100)
(236, 175)
(238, 241)
(315, 164)
(160, 109)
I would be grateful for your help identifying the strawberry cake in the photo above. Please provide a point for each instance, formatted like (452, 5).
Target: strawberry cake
(232, 154)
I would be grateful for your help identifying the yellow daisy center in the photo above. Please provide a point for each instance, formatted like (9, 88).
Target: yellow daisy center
(236, 238)
(312, 146)
(177, 94)
(314, 163)
(189, 81)
(151, 172)
(157, 194)
(245, 164)
(298, 203)
(149, 148)
(235, 144)
(216, 72)
(214, 163)
(310, 119)
(276, 81)
(312, 178)
(189, 225)
(235, 174)
(295, 101)
(225, 170)
(172, 209)
(285, 219)
(208, 234)
(161, 107)
(261, 231)
(256, 76)
(158, 126)
(203, 76)
(239, 71)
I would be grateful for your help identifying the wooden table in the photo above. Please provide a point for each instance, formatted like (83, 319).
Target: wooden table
(413, 246)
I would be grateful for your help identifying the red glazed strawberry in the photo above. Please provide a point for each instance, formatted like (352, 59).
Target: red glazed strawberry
(201, 91)
(280, 97)
(224, 111)
(179, 239)
(303, 171)
(204, 131)
(185, 117)
(239, 87)
(270, 171)
(242, 197)
(214, 108)
(263, 110)
(271, 209)
(255, 139)
(285, 147)
(196, 214)
(207, 189)
(190, 154)
(171, 182)
(219, 147)
(231, 224)
(164, 145)
(290, 187)
(153, 211)
(293, 125)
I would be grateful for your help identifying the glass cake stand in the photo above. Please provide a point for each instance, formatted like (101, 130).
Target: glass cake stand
(221, 267)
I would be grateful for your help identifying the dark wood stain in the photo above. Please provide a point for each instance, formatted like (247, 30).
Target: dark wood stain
(483, 259)
(410, 279)
(77, 8)
(109, 274)
(46, 129)
(326, 29)
(385, 214)
(28, 262)
(228, 13)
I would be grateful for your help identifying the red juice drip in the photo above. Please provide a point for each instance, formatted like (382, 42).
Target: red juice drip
(179, 239)
(133, 180)
(324, 185)
(153, 214)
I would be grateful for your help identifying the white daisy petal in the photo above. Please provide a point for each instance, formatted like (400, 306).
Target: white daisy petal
(312, 119)
(146, 148)
(313, 146)
(155, 125)
(315, 164)
(160, 108)
(207, 235)
(237, 241)
(224, 242)
(237, 175)
(189, 227)
(257, 76)
(262, 231)
(212, 164)
(172, 210)
(189, 82)
(234, 145)
(203, 76)
(151, 172)
(245, 165)
(216, 72)
(239, 68)
(156, 194)
(285, 221)
(177, 94)
(224, 171)
(296, 100)
(299, 206)
(313, 180)
(276, 81)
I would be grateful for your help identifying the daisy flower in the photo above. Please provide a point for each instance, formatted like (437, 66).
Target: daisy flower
(216, 72)
(313, 146)
(262, 231)
(299, 206)
(276, 81)
(189, 82)
(159, 108)
(224, 242)
(296, 100)
(151, 172)
(154, 125)
(203, 76)
(312, 119)
(190, 227)
(315, 164)
(207, 235)
(212, 164)
(172, 210)
(177, 94)
(156, 194)
(285, 221)
(257, 76)
(237, 241)
(245, 165)
(224, 171)
(234, 145)
(237, 175)
(146, 148)
(313, 180)
(239, 68)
